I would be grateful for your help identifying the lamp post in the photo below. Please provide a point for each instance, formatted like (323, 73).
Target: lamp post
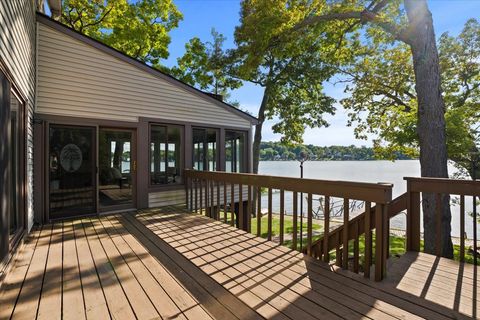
(302, 158)
(475, 159)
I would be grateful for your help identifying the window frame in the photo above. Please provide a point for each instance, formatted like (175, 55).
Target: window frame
(21, 197)
(217, 149)
(176, 185)
(244, 164)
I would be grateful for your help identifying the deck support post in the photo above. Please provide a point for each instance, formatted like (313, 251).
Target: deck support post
(413, 219)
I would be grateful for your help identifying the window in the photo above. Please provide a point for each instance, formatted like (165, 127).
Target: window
(165, 154)
(16, 145)
(205, 149)
(235, 155)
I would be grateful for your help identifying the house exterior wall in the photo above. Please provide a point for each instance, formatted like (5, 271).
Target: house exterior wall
(83, 82)
(17, 55)
(78, 80)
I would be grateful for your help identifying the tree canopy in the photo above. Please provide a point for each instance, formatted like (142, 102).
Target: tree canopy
(382, 99)
(291, 69)
(138, 28)
(205, 65)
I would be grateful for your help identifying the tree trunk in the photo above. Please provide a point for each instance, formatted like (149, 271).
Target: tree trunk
(258, 130)
(431, 119)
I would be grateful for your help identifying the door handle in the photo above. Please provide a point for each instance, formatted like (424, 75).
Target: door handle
(134, 166)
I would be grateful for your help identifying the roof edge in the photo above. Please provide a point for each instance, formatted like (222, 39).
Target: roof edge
(46, 20)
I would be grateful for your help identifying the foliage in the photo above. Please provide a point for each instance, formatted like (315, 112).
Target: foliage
(137, 28)
(279, 151)
(290, 69)
(382, 98)
(205, 66)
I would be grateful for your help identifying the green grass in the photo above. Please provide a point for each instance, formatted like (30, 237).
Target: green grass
(397, 243)
(288, 226)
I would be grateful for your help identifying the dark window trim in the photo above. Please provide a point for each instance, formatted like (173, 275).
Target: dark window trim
(164, 187)
(22, 169)
(217, 144)
(245, 150)
(15, 242)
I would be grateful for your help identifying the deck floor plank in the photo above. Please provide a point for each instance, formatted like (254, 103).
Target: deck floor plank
(260, 253)
(162, 303)
(50, 306)
(178, 299)
(218, 301)
(27, 303)
(165, 264)
(74, 305)
(92, 291)
(12, 284)
(117, 301)
(137, 297)
(284, 300)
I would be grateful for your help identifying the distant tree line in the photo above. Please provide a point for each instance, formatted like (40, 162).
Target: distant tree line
(276, 151)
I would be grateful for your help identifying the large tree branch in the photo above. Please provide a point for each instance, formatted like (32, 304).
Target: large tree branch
(100, 19)
(364, 16)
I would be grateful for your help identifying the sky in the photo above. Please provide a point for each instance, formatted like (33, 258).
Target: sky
(200, 16)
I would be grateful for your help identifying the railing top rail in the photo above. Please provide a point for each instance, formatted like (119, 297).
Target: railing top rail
(374, 192)
(444, 186)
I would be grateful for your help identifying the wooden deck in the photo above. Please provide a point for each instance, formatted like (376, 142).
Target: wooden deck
(163, 264)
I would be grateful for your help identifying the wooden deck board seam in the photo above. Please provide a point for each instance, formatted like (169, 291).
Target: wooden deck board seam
(96, 268)
(157, 280)
(113, 268)
(132, 224)
(44, 272)
(185, 231)
(26, 271)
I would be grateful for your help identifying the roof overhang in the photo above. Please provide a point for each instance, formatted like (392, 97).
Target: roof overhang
(55, 8)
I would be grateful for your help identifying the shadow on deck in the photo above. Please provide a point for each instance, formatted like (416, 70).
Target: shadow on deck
(166, 264)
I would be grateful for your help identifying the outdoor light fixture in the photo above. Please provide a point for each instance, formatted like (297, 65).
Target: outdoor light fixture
(303, 157)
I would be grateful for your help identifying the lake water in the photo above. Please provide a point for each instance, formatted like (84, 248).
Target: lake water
(358, 171)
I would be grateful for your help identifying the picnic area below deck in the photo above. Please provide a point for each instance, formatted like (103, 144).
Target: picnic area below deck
(165, 263)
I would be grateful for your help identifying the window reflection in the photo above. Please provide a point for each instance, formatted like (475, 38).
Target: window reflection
(205, 149)
(14, 144)
(235, 155)
(165, 154)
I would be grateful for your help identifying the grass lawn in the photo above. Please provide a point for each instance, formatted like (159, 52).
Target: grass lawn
(397, 244)
(288, 226)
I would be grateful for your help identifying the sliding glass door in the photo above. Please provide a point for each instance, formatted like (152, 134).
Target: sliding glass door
(12, 168)
(72, 171)
(117, 166)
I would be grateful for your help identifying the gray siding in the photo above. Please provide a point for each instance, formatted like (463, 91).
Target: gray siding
(17, 51)
(166, 198)
(177, 197)
(79, 80)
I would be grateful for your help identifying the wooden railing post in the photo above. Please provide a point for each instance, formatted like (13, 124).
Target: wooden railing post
(413, 219)
(380, 241)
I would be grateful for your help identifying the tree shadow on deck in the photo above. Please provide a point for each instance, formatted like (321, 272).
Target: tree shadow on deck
(271, 278)
(436, 280)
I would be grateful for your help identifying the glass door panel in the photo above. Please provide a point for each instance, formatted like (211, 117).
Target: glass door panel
(117, 168)
(15, 166)
(72, 171)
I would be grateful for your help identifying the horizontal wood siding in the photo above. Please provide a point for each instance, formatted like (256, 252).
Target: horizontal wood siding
(17, 51)
(177, 197)
(76, 79)
(166, 198)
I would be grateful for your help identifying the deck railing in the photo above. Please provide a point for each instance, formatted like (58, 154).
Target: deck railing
(440, 191)
(229, 197)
